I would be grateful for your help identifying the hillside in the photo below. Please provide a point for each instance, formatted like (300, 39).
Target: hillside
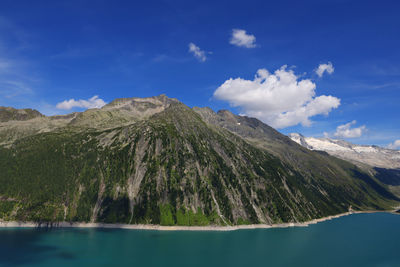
(157, 161)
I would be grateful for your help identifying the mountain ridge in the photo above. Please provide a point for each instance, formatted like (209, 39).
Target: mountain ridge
(164, 163)
(372, 155)
(10, 114)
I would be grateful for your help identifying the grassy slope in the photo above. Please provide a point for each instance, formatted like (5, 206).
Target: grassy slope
(189, 174)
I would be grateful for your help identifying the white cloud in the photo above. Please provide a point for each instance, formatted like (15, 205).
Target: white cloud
(242, 39)
(197, 52)
(322, 68)
(94, 102)
(279, 99)
(345, 130)
(394, 145)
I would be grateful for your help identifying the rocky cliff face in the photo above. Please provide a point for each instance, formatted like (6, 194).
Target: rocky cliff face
(154, 160)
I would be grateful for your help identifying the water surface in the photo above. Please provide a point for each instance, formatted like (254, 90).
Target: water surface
(356, 240)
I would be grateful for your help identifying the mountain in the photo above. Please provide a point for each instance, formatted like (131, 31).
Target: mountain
(156, 161)
(12, 114)
(371, 155)
(380, 162)
(119, 112)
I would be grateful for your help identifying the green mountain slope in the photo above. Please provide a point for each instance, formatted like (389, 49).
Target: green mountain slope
(156, 161)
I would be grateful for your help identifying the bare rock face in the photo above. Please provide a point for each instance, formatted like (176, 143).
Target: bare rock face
(371, 155)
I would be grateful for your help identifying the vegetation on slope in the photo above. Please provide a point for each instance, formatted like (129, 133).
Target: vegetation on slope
(171, 169)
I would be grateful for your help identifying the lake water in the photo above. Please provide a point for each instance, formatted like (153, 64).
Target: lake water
(356, 240)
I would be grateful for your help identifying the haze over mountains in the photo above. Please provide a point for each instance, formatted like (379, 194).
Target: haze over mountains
(156, 161)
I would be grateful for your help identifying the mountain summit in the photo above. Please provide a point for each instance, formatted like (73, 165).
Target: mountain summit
(156, 161)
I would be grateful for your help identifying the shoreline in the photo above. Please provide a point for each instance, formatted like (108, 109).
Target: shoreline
(15, 224)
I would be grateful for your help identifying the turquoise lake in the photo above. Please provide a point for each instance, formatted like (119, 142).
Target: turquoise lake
(356, 240)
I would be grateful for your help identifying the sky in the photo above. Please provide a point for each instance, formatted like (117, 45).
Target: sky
(320, 68)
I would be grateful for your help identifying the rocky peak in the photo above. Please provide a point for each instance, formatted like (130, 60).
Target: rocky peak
(123, 111)
(227, 115)
(12, 114)
(299, 138)
(140, 103)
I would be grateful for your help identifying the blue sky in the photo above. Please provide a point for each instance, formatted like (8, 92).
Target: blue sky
(53, 51)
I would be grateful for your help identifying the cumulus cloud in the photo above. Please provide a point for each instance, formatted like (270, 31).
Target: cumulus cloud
(345, 130)
(394, 145)
(280, 99)
(197, 52)
(94, 102)
(322, 68)
(242, 39)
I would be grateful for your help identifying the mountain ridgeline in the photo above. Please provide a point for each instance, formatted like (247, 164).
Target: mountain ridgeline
(156, 161)
(358, 154)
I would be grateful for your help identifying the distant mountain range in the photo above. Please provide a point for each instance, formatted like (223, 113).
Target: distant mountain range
(156, 161)
(371, 155)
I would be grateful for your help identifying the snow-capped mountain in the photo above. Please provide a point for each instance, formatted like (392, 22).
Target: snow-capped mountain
(371, 155)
